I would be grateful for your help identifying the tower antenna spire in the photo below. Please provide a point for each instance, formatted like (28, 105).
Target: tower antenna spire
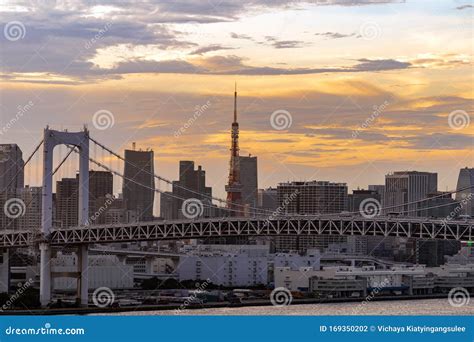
(235, 103)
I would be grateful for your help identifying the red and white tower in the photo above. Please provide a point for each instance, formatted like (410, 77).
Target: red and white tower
(234, 187)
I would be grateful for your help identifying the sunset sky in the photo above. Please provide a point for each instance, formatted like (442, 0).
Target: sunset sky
(369, 87)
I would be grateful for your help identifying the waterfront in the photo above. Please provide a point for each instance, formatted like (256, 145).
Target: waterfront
(402, 307)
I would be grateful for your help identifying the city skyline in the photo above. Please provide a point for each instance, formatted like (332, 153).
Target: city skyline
(168, 84)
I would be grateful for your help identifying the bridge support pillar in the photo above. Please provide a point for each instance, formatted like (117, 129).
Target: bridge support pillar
(45, 274)
(50, 140)
(82, 281)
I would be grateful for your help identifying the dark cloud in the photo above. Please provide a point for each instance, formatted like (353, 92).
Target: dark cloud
(464, 7)
(440, 141)
(380, 65)
(209, 48)
(283, 44)
(337, 35)
(240, 36)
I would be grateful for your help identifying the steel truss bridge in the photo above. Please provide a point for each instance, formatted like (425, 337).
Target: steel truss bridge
(232, 227)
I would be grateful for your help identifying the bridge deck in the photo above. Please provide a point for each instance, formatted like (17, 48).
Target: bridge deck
(229, 227)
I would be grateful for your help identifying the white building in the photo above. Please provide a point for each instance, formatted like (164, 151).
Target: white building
(298, 279)
(104, 270)
(240, 265)
(225, 269)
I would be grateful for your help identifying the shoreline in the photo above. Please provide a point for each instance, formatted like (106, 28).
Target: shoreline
(213, 305)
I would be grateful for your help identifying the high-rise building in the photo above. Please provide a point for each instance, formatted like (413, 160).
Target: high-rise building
(100, 194)
(465, 194)
(67, 192)
(267, 199)
(380, 190)
(440, 205)
(139, 183)
(403, 188)
(191, 184)
(32, 197)
(100, 198)
(166, 205)
(249, 181)
(11, 167)
(355, 199)
(310, 198)
(314, 197)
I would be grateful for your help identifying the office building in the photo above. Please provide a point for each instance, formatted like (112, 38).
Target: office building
(380, 189)
(439, 205)
(355, 199)
(11, 167)
(67, 192)
(267, 199)
(309, 198)
(403, 188)
(314, 197)
(465, 195)
(100, 195)
(139, 183)
(249, 182)
(32, 197)
(191, 184)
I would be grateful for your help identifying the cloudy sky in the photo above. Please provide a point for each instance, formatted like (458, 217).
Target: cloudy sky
(334, 90)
